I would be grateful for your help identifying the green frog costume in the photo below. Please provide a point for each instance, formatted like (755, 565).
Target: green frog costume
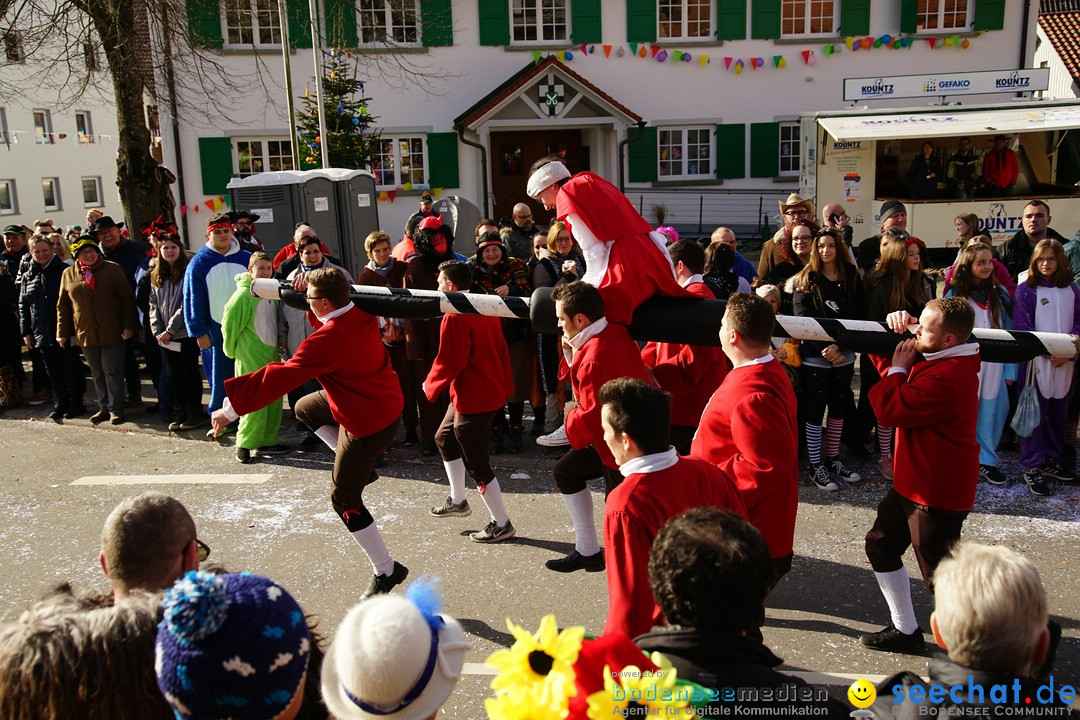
(249, 330)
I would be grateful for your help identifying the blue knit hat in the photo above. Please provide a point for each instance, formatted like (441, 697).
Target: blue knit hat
(230, 646)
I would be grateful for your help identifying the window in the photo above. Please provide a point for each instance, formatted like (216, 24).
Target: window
(684, 19)
(12, 50)
(686, 152)
(83, 130)
(539, 21)
(265, 155)
(807, 17)
(9, 204)
(43, 127)
(50, 190)
(388, 22)
(400, 160)
(251, 22)
(943, 15)
(789, 148)
(91, 192)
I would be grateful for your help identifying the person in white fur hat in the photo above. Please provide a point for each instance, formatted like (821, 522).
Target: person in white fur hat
(625, 259)
(394, 658)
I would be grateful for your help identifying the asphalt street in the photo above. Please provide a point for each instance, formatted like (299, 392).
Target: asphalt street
(274, 518)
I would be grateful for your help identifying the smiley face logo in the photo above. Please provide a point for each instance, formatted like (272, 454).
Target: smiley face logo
(862, 693)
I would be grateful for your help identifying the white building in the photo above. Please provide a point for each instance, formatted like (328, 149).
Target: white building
(1058, 46)
(717, 86)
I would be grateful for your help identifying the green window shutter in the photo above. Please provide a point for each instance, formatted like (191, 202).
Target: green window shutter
(300, 23)
(494, 22)
(642, 157)
(909, 16)
(585, 21)
(640, 21)
(765, 19)
(989, 14)
(436, 23)
(340, 24)
(215, 162)
(764, 149)
(442, 154)
(731, 151)
(204, 24)
(855, 17)
(731, 19)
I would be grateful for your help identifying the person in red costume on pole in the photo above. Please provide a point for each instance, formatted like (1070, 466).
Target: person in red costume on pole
(624, 257)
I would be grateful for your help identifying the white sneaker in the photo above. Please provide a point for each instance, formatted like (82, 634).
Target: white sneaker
(555, 439)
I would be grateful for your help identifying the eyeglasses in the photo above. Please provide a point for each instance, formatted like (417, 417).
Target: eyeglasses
(802, 238)
(203, 549)
(309, 298)
(796, 213)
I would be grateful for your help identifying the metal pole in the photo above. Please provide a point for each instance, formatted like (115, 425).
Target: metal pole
(283, 22)
(316, 50)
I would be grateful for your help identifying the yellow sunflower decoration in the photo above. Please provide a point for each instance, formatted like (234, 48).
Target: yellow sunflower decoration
(536, 674)
(656, 692)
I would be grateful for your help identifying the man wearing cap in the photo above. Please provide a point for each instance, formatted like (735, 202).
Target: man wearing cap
(893, 214)
(243, 222)
(427, 209)
(1000, 169)
(626, 259)
(1035, 226)
(14, 249)
(795, 209)
(209, 282)
(522, 230)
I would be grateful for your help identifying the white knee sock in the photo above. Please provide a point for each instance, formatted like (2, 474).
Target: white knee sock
(455, 472)
(896, 587)
(371, 542)
(580, 506)
(328, 434)
(493, 501)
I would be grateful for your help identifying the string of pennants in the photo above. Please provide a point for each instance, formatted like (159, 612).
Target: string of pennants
(658, 53)
(389, 195)
(53, 138)
(212, 205)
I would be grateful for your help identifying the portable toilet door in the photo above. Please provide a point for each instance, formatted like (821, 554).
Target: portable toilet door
(272, 197)
(462, 216)
(358, 214)
(318, 206)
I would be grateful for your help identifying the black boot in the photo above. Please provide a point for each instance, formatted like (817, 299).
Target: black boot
(497, 439)
(516, 431)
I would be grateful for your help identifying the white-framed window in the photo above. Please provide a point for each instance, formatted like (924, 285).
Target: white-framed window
(401, 159)
(392, 22)
(91, 192)
(254, 156)
(686, 152)
(807, 17)
(942, 15)
(251, 23)
(684, 19)
(43, 134)
(84, 130)
(789, 149)
(50, 191)
(9, 201)
(539, 22)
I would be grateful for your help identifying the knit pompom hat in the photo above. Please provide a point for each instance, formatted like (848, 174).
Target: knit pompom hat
(232, 646)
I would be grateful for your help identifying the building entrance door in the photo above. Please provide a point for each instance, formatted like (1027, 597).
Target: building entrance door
(513, 153)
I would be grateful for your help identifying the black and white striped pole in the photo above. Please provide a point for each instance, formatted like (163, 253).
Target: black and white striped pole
(666, 319)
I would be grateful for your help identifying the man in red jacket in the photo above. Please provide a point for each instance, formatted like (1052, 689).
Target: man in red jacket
(474, 362)
(594, 351)
(934, 406)
(1000, 169)
(658, 486)
(690, 373)
(357, 411)
(749, 428)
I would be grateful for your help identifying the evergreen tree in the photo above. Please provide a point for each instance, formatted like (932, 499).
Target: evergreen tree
(348, 122)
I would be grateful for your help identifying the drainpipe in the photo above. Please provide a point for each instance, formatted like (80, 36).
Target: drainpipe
(640, 125)
(1023, 40)
(483, 167)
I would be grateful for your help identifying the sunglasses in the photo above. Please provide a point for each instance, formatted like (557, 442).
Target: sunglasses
(203, 550)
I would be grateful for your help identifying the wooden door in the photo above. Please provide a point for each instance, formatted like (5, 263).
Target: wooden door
(513, 153)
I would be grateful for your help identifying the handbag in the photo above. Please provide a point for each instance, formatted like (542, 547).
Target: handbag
(1026, 417)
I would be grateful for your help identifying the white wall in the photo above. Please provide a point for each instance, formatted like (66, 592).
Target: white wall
(1062, 85)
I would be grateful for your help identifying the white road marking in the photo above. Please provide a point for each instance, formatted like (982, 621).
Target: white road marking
(216, 479)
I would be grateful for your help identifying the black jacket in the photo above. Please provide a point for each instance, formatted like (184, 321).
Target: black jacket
(1016, 251)
(39, 288)
(737, 667)
(827, 299)
(130, 256)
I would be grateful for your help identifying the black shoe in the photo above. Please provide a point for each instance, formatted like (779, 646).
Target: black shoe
(992, 475)
(310, 442)
(99, 417)
(452, 509)
(118, 419)
(1008, 441)
(889, 639)
(1037, 483)
(382, 584)
(272, 450)
(57, 416)
(537, 427)
(77, 411)
(515, 439)
(133, 402)
(410, 438)
(497, 447)
(493, 533)
(192, 421)
(858, 451)
(428, 448)
(577, 561)
(1068, 459)
(243, 455)
(1053, 470)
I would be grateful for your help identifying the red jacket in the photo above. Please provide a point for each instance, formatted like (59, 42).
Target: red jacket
(474, 362)
(403, 249)
(608, 355)
(934, 409)
(290, 250)
(749, 430)
(633, 514)
(1000, 169)
(691, 373)
(348, 359)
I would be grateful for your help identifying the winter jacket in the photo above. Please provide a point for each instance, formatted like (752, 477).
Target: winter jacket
(98, 316)
(1016, 251)
(39, 289)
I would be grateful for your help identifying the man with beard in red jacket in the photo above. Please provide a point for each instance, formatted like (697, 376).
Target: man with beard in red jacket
(934, 406)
